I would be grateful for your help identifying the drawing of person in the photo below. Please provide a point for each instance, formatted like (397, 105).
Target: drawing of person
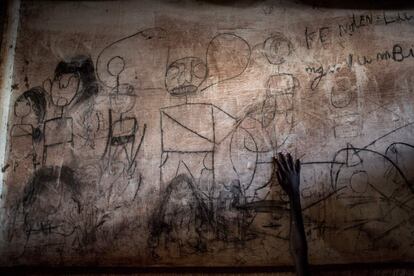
(124, 139)
(189, 136)
(264, 130)
(73, 83)
(30, 108)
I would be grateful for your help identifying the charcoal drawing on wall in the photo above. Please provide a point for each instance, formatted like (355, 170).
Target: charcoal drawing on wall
(143, 134)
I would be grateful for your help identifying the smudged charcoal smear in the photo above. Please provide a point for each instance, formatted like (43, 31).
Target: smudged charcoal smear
(83, 66)
(158, 226)
(39, 180)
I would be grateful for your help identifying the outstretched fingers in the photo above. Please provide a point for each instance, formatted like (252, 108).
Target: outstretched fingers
(297, 166)
(282, 162)
(289, 161)
(279, 177)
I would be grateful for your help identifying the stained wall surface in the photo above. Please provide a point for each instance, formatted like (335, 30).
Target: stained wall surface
(142, 133)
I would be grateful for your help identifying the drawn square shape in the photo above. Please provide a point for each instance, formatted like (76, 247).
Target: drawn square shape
(281, 84)
(284, 102)
(348, 126)
(58, 131)
(124, 127)
(187, 128)
(21, 130)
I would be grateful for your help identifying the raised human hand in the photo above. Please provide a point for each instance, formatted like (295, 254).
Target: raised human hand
(288, 173)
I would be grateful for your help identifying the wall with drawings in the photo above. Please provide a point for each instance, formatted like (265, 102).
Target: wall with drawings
(142, 133)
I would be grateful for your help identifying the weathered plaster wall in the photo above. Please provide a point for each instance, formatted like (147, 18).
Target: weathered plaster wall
(9, 23)
(141, 133)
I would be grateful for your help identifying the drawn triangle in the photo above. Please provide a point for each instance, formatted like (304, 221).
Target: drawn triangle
(352, 156)
(177, 138)
(197, 118)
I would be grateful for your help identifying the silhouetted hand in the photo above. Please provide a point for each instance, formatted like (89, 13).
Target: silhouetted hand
(288, 173)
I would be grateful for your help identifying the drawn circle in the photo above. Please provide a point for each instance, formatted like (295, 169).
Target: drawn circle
(227, 57)
(277, 48)
(359, 181)
(61, 101)
(65, 88)
(199, 70)
(22, 107)
(341, 93)
(115, 66)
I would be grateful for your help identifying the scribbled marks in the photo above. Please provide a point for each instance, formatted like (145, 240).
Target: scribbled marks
(348, 122)
(274, 116)
(402, 155)
(179, 224)
(347, 125)
(377, 195)
(51, 200)
(243, 152)
(277, 48)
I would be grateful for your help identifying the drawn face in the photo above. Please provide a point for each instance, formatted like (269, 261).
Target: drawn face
(64, 89)
(22, 107)
(277, 48)
(185, 75)
(122, 98)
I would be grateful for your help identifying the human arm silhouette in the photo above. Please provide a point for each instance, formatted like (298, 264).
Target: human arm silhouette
(288, 176)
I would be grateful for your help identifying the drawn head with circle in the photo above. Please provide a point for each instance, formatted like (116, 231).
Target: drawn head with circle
(31, 100)
(277, 48)
(122, 96)
(115, 67)
(64, 88)
(184, 76)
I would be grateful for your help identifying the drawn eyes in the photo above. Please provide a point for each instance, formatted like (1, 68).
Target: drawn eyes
(182, 72)
(199, 70)
(173, 72)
